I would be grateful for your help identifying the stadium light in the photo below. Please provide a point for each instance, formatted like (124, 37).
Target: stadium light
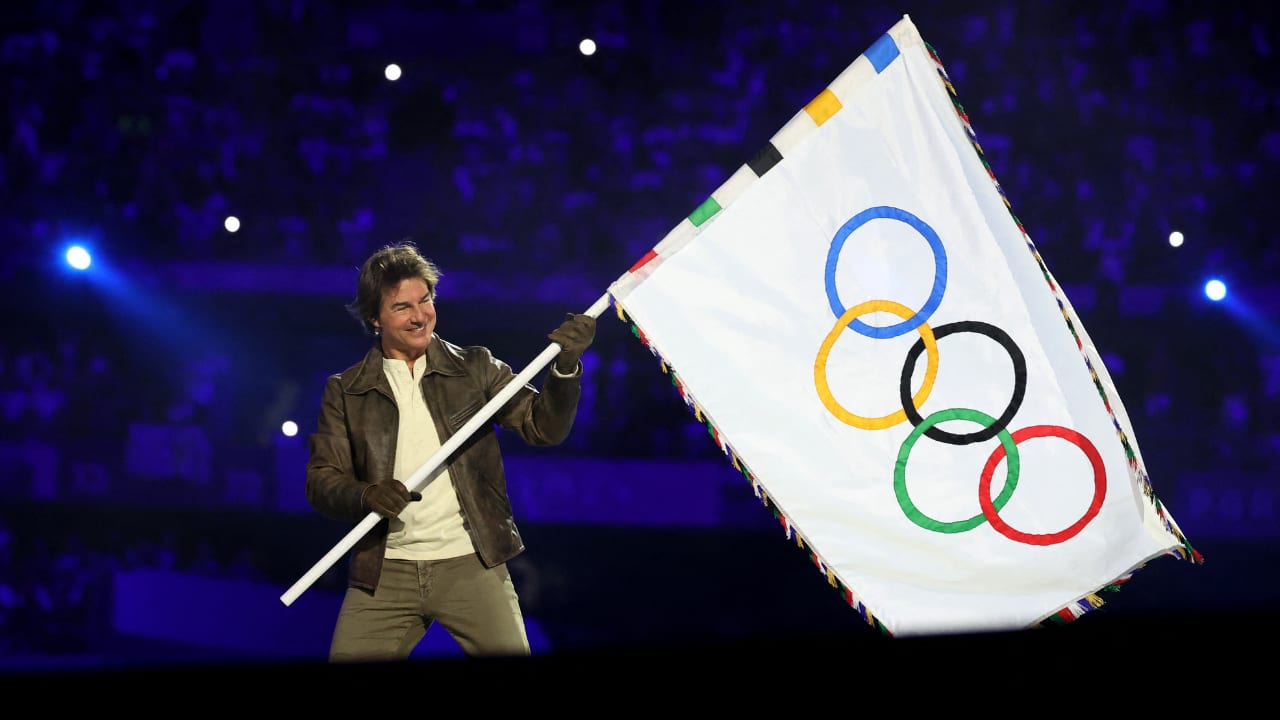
(78, 257)
(1215, 290)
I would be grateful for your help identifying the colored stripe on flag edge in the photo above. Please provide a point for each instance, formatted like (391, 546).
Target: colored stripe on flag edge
(1185, 551)
(791, 531)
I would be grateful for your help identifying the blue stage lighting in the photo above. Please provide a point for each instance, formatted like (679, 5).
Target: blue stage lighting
(78, 257)
(1215, 290)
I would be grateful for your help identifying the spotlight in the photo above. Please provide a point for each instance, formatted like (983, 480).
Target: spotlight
(1175, 239)
(587, 47)
(289, 428)
(78, 258)
(1215, 290)
(392, 72)
(232, 223)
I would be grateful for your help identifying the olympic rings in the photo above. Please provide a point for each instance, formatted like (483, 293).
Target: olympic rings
(820, 366)
(991, 509)
(1007, 443)
(909, 323)
(991, 427)
(1019, 381)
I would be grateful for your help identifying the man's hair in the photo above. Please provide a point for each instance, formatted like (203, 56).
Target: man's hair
(384, 270)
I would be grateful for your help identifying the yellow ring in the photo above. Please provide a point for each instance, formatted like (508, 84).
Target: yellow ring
(820, 365)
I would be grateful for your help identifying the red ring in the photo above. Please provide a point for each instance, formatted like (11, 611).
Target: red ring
(1099, 486)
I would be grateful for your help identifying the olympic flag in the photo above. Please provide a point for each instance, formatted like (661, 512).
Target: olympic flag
(877, 345)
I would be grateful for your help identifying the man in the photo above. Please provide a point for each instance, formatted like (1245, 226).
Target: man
(438, 555)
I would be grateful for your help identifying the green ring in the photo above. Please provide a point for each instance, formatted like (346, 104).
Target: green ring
(900, 471)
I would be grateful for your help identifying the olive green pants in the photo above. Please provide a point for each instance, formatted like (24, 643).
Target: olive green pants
(477, 605)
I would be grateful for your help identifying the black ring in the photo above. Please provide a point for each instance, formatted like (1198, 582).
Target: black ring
(1019, 382)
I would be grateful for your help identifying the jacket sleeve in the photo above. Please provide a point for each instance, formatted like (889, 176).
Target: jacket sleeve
(332, 487)
(539, 417)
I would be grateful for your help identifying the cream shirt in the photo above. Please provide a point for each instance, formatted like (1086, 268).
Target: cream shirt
(430, 528)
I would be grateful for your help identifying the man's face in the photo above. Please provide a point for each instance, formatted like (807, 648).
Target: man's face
(406, 319)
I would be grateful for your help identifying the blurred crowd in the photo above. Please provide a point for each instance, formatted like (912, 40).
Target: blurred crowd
(149, 123)
(145, 124)
(56, 589)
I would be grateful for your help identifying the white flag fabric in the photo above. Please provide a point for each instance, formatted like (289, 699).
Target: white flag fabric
(875, 342)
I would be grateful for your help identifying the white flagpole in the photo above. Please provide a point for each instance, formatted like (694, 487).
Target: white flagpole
(415, 480)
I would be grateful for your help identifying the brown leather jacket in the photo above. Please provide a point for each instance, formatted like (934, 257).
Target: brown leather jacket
(355, 443)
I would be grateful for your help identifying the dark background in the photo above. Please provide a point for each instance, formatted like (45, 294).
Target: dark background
(151, 511)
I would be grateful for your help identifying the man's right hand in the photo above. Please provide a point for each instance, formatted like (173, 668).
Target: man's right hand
(388, 499)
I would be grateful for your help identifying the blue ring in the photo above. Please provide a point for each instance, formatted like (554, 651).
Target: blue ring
(939, 276)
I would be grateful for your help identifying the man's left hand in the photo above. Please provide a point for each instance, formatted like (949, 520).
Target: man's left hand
(574, 336)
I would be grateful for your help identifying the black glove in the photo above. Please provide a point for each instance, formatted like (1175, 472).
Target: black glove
(574, 336)
(388, 499)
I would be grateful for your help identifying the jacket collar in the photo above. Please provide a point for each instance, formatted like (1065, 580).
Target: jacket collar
(368, 375)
